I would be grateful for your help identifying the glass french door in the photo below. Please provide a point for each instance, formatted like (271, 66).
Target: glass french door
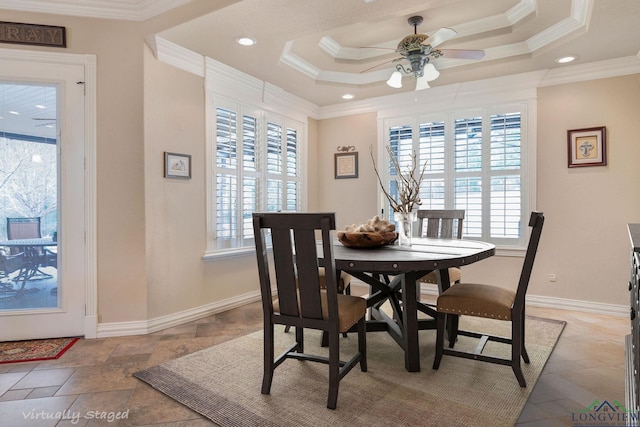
(41, 200)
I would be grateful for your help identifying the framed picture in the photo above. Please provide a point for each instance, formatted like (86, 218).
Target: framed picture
(177, 165)
(346, 165)
(587, 147)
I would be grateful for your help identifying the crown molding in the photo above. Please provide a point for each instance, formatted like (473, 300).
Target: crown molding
(502, 20)
(231, 82)
(176, 55)
(592, 71)
(226, 81)
(130, 10)
(479, 91)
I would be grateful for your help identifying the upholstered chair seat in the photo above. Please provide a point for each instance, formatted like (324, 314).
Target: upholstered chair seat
(476, 300)
(350, 309)
(455, 274)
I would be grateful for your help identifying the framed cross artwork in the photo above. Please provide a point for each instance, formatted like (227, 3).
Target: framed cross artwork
(587, 147)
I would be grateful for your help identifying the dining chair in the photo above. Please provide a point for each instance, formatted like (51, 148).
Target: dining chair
(491, 302)
(344, 286)
(441, 224)
(300, 301)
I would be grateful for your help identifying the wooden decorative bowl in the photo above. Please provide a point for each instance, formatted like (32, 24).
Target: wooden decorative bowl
(366, 239)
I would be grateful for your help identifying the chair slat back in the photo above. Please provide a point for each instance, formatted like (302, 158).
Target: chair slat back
(441, 224)
(295, 262)
(536, 221)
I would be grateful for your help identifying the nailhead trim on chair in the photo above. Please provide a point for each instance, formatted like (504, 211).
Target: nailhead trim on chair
(473, 313)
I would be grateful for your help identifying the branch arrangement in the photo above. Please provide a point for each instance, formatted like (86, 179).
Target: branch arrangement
(408, 186)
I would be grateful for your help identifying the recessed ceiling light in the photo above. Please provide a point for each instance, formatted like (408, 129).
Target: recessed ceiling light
(245, 41)
(565, 59)
(40, 106)
(347, 96)
(15, 113)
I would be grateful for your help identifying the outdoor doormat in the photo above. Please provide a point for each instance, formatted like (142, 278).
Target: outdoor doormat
(34, 350)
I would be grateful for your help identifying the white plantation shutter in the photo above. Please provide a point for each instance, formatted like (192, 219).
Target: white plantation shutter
(257, 168)
(227, 173)
(293, 171)
(474, 162)
(506, 163)
(431, 148)
(401, 144)
(250, 180)
(468, 167)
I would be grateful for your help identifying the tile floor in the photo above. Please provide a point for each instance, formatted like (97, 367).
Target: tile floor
(94, 378)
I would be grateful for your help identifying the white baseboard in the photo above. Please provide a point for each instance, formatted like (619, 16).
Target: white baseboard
(543, 301)
(142, 327)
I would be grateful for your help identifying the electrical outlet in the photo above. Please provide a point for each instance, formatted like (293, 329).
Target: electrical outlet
(552, 277)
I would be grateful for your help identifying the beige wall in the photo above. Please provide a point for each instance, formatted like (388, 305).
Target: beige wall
(353, 200)
(584, 241)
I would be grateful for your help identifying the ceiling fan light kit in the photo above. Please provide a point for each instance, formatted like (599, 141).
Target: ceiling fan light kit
(422, 83)
(395, 81)
(415, 49)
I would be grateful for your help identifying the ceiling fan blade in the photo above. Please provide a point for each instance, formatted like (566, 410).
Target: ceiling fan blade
(376, 47)
(441, 36)
(462, 53)
(379, 65)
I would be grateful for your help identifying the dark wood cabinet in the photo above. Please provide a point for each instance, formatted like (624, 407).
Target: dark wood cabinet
(632, 344)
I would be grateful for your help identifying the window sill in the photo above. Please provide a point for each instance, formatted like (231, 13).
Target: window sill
(229, 253)
(511, 252)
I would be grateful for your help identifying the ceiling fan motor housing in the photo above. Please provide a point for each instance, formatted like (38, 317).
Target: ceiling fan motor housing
(411, 43)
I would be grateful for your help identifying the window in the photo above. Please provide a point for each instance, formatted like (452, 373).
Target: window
(256, 168)
(476, 161)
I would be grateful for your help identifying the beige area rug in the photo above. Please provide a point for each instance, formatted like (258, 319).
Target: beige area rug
(223, 382)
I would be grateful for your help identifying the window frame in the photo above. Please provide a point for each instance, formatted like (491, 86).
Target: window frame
(527, 108)
(244, 245)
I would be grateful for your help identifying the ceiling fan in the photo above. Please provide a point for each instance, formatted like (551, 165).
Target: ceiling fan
(419, 49)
